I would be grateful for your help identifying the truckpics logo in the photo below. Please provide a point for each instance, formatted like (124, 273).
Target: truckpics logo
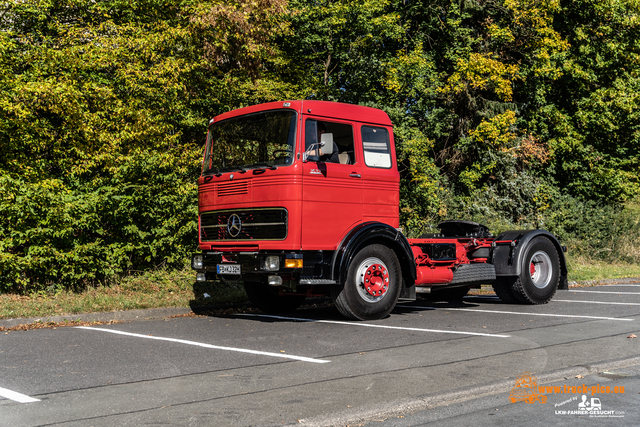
(526, 389)
(234, 225)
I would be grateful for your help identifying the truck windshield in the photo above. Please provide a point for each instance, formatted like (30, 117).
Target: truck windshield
(254, 141)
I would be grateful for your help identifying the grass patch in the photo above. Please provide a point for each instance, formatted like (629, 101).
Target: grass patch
(581, 268)
(155, 289)
(54, 325)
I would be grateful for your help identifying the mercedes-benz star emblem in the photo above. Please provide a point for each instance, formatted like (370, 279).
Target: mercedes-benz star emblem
(234, 225)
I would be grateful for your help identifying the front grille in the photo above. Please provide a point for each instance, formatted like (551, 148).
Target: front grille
(250, 224)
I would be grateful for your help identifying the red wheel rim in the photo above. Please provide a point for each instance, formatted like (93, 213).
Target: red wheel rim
(532, 269)
(376, 280)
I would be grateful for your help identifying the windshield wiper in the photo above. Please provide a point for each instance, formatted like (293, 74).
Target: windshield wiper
(263, 165)
(242, 169)
(219, 172)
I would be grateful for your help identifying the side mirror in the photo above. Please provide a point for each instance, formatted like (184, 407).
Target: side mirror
(314, 148)
(326, 142)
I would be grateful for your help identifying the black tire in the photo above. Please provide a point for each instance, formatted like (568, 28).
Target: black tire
(378, 264)
(267, 299)
(503, 289)
(447, 294)
(540, 275)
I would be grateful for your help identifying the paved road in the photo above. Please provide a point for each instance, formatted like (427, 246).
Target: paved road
(316, 367)
(565, 409)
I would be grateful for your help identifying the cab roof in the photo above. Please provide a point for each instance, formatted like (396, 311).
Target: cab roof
(333, 110)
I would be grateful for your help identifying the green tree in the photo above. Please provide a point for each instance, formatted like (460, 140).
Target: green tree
(591, 116)
(103, 111)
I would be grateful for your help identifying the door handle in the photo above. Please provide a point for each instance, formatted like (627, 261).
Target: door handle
(354, 175)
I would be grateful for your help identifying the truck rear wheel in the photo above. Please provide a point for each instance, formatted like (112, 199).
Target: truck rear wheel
(539, 278)
(267, 299)
(372, 286)
(503, 289)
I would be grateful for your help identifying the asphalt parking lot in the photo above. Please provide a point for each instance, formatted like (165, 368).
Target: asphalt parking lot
(312, 367)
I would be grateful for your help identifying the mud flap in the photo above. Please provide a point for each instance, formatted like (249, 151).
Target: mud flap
(408, 293)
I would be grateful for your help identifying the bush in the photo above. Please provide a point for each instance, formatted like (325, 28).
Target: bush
(56, 234)
(596, 230)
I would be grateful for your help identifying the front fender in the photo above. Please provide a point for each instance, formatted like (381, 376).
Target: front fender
(370, 233)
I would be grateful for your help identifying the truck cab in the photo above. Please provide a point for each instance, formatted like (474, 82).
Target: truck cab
(305, 163)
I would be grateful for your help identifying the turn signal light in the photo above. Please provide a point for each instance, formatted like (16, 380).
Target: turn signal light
(293, 263)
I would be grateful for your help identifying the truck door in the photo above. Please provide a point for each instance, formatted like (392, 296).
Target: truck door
(332, 183)
(380, 173)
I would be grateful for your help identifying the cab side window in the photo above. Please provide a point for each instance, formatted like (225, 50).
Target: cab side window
(377, 150)
(329, 142)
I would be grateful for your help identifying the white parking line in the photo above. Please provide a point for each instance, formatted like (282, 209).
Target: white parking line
(368, 325)
(621, 284)
(605, 292)
(15, 396)
(216, 347)
(598, 302)
(524, 314)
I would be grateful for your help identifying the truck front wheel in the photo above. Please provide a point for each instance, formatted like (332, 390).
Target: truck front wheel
(372, 286)
(268, 300)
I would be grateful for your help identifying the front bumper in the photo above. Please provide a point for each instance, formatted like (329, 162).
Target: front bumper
(306, 268)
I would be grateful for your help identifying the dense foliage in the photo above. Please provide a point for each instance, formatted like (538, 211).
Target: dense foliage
(518, 113)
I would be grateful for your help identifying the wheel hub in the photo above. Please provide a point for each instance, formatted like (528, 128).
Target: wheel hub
(540, 269)
(532, 269)
(376, 280)
(372, 279)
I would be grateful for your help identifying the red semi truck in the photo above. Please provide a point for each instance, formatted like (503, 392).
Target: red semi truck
(300, 198)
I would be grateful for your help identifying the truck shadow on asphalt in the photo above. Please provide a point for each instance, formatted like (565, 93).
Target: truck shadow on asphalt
(207, 302)
(421, 306)
(322, 309)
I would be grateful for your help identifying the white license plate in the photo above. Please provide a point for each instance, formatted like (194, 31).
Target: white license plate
(228, 268)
